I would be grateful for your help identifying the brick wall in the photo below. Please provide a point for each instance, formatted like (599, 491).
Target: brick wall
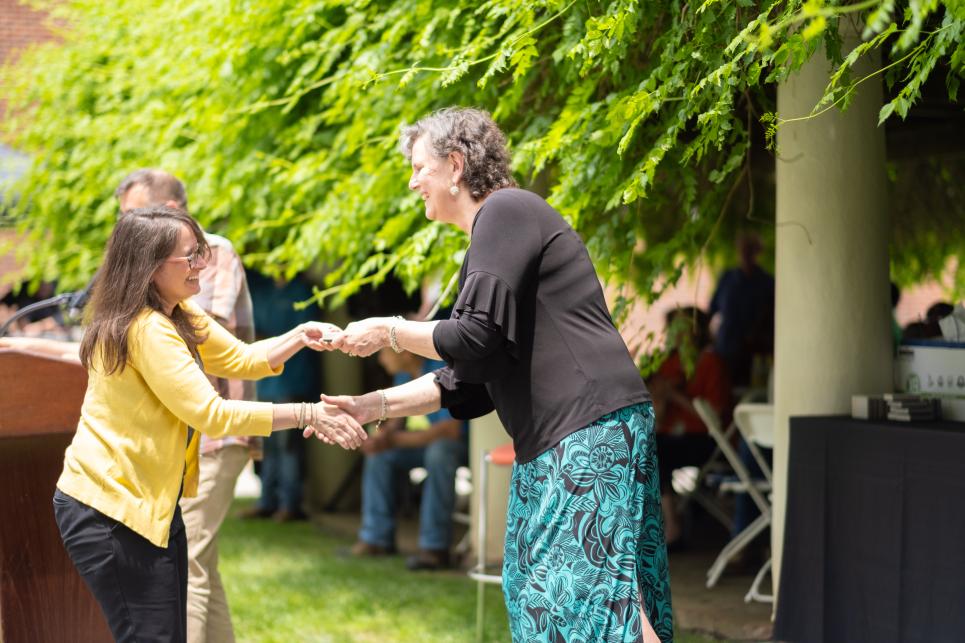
(690, 291)
(19, 27)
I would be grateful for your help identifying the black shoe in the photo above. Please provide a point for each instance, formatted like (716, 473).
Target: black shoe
(428, 560)
(256, 513)
(284, 515)
(362, 549)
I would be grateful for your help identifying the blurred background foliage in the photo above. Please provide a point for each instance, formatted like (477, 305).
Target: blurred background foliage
(645, 122)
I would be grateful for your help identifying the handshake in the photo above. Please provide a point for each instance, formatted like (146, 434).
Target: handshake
(339, 418)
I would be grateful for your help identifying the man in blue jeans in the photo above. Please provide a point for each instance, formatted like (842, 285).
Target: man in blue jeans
(441, 447)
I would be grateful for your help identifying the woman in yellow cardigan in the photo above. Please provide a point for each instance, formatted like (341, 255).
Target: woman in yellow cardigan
(146, 350)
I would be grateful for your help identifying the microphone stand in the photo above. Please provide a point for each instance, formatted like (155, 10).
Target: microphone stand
(53, 302)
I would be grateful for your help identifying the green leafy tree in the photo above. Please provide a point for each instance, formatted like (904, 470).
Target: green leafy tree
(644, 122)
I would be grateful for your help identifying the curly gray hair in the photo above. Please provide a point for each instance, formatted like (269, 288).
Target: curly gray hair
(472, 133)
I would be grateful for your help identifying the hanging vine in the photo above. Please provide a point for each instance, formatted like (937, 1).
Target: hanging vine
(282, 117)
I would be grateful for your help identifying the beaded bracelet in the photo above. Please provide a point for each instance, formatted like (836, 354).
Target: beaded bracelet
(383, 410)
(393, 340)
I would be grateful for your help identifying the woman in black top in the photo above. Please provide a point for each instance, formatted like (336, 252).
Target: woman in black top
(531, 337)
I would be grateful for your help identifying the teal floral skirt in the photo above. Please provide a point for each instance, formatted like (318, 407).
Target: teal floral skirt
(584, 537)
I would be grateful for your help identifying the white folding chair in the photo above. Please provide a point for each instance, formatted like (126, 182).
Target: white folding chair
(691, 485)
(460, 514)
(744, 484)
(503, 455)
(756, 424)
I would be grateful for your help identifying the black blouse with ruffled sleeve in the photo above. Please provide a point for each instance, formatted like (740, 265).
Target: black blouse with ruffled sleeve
(530, 334)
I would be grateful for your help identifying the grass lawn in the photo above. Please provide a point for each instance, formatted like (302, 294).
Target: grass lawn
(295, 582)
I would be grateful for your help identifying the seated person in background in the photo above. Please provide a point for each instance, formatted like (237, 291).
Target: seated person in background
(441, 449)
(917, 330)
(682, 438)
(937, 312)
(933, 316)
(929, 328)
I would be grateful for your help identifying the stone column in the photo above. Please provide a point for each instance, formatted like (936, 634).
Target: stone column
(328, 466)
(833, 336)
(486, 433)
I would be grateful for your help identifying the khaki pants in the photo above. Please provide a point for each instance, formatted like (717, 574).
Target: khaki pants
(208, 617)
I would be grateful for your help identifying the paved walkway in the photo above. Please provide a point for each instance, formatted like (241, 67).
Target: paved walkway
(720, 611)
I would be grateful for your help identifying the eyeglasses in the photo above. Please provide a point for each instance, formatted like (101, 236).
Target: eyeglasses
(194, 259)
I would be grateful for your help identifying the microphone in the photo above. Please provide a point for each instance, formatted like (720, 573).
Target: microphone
(79, 299)
(75, 303)
(53, 302)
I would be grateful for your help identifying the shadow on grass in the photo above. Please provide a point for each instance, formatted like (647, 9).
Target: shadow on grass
(296, 582)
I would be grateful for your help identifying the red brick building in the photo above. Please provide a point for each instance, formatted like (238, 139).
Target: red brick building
(20, 27)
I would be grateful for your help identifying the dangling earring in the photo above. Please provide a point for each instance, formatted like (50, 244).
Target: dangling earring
(454, 189)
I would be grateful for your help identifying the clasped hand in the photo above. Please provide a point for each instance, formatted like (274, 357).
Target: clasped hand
(365, 337)
(360, 408)
(340, 417)
(319, 335)
(333, 425)
(358, 339)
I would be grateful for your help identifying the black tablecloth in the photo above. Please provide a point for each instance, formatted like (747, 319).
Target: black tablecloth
(874, 541)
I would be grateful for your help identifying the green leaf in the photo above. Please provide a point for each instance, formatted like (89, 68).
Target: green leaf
(283, 119)
(885, 112)
(814, 28)
(951, 84)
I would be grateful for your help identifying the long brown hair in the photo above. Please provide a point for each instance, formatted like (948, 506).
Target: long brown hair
(141, 241)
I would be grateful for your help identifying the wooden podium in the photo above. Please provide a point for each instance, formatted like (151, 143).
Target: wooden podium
(42, 598)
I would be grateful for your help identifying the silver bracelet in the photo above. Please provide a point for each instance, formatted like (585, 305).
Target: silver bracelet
(383, 410)
(393, 340)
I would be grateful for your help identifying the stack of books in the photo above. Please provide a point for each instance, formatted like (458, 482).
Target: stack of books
(907, 407)
(901, 407)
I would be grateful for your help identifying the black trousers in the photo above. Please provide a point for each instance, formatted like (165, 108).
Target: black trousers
(142, 588)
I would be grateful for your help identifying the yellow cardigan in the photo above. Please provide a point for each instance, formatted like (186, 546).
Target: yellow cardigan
(129, 454)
